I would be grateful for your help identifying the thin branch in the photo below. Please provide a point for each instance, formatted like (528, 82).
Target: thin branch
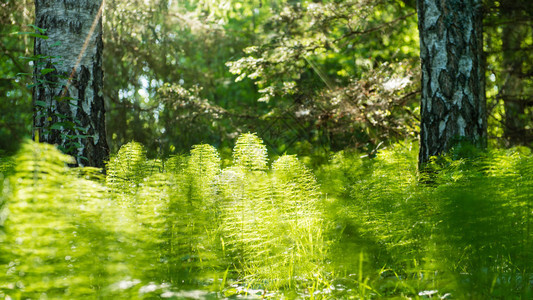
(374, 29)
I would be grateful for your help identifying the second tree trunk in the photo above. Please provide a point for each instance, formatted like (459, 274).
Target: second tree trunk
(453, 106)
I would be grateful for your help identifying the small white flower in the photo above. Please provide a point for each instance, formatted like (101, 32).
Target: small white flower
(427, 293)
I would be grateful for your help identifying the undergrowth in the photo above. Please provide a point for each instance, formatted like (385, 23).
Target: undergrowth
(186, 227)
(465, 234)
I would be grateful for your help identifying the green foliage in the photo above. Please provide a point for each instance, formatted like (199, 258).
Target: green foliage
(47, 120)
(203, 168)
(467, 233)
(326, 61)
(16, 106)
(507, 33)
(48, 232)
(343, 73)
(152, 230)
(165, 72)
(250, 153)
(6, 168)
(272, 224)
(127, 168)
(372, 229)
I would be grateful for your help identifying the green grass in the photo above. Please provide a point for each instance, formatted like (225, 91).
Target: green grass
(355, 227)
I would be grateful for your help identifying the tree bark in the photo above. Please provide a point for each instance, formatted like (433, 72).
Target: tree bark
(68, 94)
(453, 105)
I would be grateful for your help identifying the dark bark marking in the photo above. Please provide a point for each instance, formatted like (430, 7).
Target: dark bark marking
(446, 84)
(440, 107)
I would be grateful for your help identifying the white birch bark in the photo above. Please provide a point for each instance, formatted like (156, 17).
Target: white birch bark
(453, 105)
(68, 96)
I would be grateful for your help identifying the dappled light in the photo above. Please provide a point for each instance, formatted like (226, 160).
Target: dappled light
(187, 225)
(266, 149)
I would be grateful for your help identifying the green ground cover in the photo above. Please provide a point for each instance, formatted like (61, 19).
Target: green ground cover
(202, 226)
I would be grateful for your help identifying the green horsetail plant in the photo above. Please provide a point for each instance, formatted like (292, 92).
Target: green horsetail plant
(6, 165)
(203, 167)
(247, 185)
(299, 201)
(524, 206)
(250, 153)
(482, 217)
(127, 169)
(377, 200)
(168, 216)
(200, 211)
(53, 246)
(272, 225)
(162, 213)
(154, 219)
(175, 164)
(126, 172)
(243, 216)
(379, 232)
(467, 235)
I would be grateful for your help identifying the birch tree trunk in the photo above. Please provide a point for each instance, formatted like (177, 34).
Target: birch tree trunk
(453, 105)
(68, 94)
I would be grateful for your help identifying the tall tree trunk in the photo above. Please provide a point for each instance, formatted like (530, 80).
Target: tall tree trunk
(453, 105)
(68, 95)
(512, 90)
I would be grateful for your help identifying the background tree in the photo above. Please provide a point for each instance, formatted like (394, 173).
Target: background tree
(508, 31)
(15, 106)
(183, 45)
(336, 74)
(68, 93)
(512, 36)
(453, 105)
